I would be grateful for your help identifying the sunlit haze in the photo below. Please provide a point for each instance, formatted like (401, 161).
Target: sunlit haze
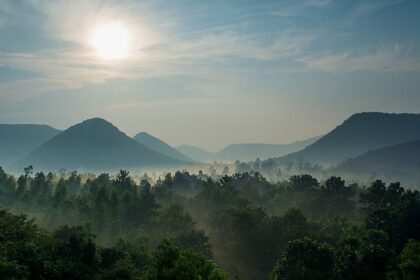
(111, 40)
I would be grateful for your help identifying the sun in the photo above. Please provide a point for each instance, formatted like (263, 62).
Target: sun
(111, 41)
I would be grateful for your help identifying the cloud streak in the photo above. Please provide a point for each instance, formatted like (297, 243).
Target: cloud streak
(156, 53)
(166, 46)
(371, 6)
(386, 59)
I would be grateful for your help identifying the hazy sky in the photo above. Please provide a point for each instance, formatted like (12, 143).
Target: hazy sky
(210, 73)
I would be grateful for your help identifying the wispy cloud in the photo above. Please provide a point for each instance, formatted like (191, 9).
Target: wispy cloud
(156, 52)
(231, 44)
(370, 6)
(165, 45)
(53, 71)
(5, 6)
(69, 69)
(318, 2)
(294, 8)
(5, 10)
(386, 59)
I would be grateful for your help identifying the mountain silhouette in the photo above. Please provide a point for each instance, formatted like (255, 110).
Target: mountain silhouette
(196, 153)
(397, 162)
(160, 146)
(245, 151)
(18, 140)
(357, 135)
(95, 145)
(248, 152)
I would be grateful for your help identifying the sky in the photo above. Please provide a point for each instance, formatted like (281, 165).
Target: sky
(210, 73)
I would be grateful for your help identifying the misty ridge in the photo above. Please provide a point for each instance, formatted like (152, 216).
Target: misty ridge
(365, 147)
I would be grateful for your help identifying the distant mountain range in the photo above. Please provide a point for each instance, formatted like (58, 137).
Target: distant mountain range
(365, 144)
(245, 152)
(357, 135)
(18, 140)
(160, 146)
(95, 145)
(396, 162)
(248, 152)
(196, 153)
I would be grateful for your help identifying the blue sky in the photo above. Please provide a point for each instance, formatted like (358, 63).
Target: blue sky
(211, 73)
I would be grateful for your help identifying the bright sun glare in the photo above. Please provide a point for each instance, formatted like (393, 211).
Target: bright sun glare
(111, 41)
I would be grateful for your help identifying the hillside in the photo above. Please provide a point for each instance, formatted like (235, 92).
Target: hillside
(18, 140)
(357, 135)
(160, 146)
(398, 162)
(95, 145)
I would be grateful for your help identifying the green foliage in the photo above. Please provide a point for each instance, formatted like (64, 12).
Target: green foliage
(409, 260)
(171, 262)
(103, 227)
(305, 259)
(303, 182)
(393, 210)
(27, 252)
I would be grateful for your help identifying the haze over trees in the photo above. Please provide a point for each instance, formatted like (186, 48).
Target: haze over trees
(185, 226)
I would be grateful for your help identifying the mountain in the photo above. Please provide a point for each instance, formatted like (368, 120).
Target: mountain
(18, 140)
(159, 146)
(397, 162)
(196, 153)
(248, 152)
(357, 135)
(95, 145)
(245, 152)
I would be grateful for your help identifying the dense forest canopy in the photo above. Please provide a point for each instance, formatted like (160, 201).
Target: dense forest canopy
(187, 226)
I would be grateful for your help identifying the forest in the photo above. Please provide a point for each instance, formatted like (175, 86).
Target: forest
(195, 226)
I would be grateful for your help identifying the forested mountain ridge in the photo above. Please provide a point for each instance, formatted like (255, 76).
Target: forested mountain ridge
(358, 134)
(160, 146)
(18, 140)
(94, 145)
